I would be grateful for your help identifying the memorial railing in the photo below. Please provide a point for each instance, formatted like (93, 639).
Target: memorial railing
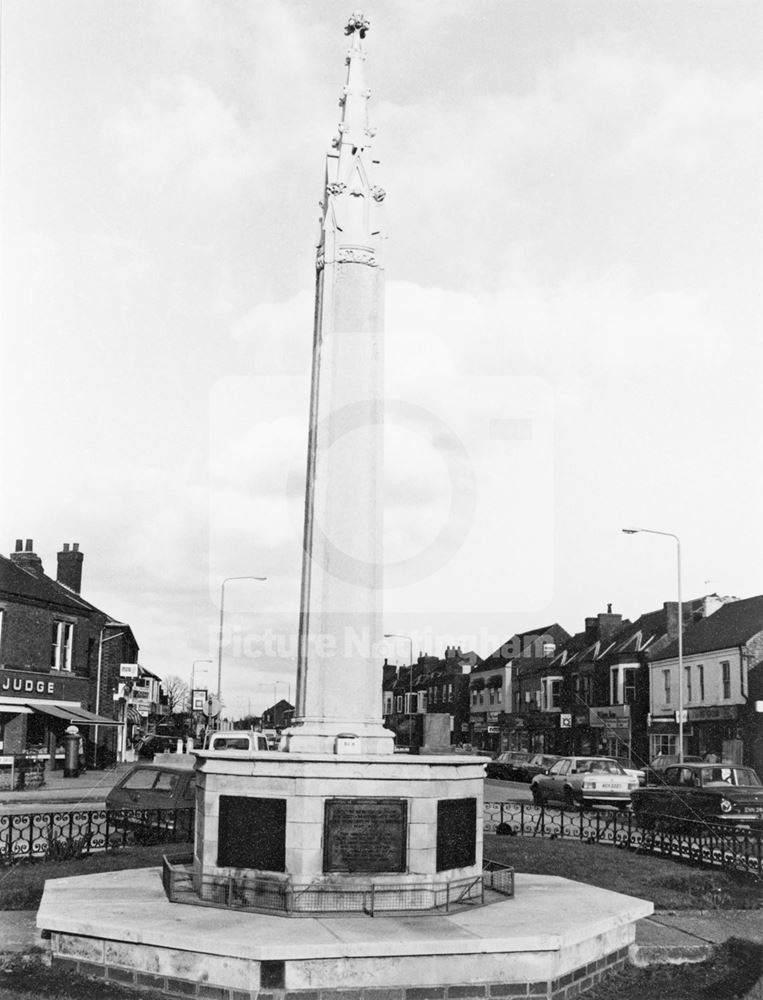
(264, 894)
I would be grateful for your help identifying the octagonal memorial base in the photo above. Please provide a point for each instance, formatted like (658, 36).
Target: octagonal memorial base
(555, 937)
(317, 832)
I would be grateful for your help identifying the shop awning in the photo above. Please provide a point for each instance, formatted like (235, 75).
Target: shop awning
(15, 708)
(73, 714)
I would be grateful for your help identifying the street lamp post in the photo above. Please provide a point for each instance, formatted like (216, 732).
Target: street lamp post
(222, 613)
(669, 534)
(397, 635)
(101, 643)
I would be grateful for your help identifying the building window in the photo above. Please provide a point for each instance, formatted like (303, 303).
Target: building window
(450, 692)
(61, 646)
(662, 744)
(666, 685)
(629, 685)
(423, 702)
(399, 704)
(622, 685)
(701, 681)
(475, 692)
(726, 678)
(410, 704)
(388, 703)
(687, 675)
(551, 689)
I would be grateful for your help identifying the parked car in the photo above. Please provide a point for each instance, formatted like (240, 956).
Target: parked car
(654, 771)
(153, 743)
(236, 739)
(505, 764)
(584, 781)
(156, 786)
(719, 793)
(539, 763)
(634, 772)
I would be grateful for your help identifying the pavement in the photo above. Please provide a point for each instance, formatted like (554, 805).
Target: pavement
(90, 786)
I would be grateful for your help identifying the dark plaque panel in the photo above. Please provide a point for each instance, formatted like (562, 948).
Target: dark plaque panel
(456, 833)
(365, 835)
(252, 833)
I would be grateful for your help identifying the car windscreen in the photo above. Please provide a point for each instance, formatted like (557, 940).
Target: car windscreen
(598, 767)
(729, 776)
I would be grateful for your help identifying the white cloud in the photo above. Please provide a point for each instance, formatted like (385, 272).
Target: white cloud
(179, 134)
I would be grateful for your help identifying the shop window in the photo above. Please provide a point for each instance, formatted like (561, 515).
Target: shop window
(662, 744)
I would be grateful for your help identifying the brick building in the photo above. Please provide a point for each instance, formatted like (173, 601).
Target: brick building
(60, 659)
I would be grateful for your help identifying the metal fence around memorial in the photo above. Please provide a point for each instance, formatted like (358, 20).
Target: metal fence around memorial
(59, 834)
(274, 894)
(700, 842)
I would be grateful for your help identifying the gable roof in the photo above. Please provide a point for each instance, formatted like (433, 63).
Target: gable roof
(17, 583)
(731, 625)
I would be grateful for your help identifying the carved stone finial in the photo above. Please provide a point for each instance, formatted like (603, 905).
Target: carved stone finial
(357, 22)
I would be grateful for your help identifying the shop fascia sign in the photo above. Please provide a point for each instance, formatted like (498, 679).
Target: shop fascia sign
(128, 669)
(614, 716)
(28, 682)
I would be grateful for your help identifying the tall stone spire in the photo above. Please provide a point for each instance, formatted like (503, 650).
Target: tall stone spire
(339, 673)
(351, 223)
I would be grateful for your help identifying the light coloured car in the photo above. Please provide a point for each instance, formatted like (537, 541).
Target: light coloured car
(575, 781)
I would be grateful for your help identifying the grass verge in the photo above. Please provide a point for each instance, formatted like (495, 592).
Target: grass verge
(21, 885)
(670, 885)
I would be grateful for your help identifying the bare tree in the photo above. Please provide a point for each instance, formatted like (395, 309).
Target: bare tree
(176, 692)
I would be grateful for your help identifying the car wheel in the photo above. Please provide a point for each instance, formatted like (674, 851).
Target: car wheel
(569, 799)
(537, 794)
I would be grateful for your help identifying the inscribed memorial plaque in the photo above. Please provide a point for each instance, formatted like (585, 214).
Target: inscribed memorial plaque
(365, 835)
(252, 833)
(456, 833)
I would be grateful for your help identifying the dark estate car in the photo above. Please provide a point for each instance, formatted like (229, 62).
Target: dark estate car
(505, 765)
(721, 793)
(539, 763)
(155, 786)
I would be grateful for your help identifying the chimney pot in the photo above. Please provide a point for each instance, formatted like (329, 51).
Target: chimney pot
(66, 546)
(29, 545)
(75, 546)
(609, 609)
(19, 545)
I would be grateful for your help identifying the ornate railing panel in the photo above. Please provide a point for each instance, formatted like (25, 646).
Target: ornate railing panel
(61, 834)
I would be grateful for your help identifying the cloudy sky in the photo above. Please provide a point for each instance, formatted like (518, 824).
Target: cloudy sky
(573, 315)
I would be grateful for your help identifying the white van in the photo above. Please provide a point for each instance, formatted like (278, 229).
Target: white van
(236, 739)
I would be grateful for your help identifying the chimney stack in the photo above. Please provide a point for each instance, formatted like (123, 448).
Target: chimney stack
(70, 567)
(25, 558)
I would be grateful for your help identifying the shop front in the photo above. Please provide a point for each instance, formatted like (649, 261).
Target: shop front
(35, 711)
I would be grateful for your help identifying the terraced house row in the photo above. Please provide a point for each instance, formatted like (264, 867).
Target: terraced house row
(612, 688)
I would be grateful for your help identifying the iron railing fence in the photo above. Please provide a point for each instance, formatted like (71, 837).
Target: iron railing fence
(700, 842)
(263, 894)
(58, 834)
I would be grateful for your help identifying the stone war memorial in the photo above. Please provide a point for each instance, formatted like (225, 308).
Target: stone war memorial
(334, 864)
